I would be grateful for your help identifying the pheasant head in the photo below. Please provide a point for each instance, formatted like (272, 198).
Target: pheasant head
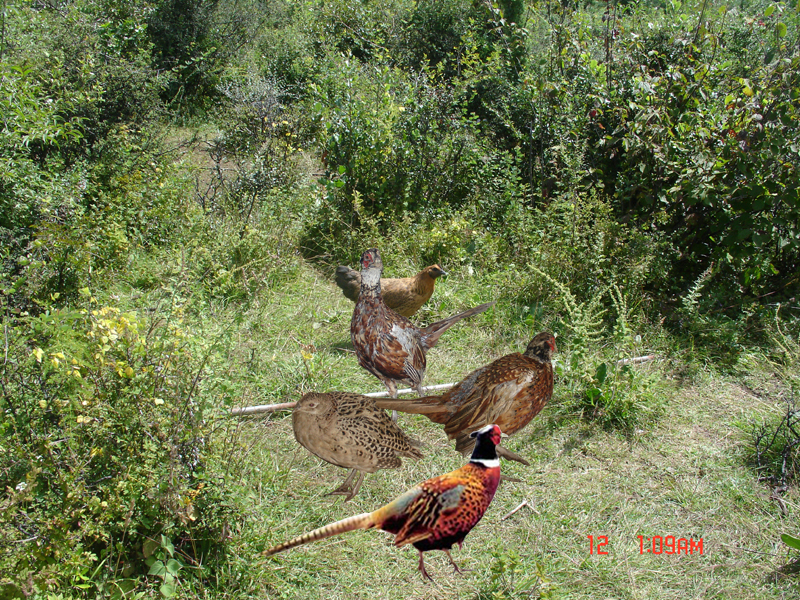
(434, 271)
(485, 451)
(542, 346)
(320, 405)
(371, 269)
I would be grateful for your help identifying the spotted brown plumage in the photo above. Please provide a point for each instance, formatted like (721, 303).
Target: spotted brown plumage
(387, 344)
(404, 295)
(349, 431)
(508, 392)
(433, 515)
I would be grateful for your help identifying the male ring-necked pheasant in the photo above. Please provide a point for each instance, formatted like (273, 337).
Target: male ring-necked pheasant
(433, 515)
(387, 344)
(404, 295)
(508, 392)
(348, 430)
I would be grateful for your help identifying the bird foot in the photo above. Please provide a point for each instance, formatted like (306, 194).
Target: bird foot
(456, 568)
(350, 486)
(422, 568)
(343, 491)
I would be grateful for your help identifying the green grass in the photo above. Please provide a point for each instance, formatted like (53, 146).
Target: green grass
(683, 474)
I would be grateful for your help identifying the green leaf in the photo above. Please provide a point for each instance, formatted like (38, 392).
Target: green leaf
(158, 569)
(780, 29)
(166, 543)
(770, 10)
(600, 373)
(167, 590)
(791, 541)
(173, 566)
(149, 547)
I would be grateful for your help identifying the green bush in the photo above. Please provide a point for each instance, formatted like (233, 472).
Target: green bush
(104, 446)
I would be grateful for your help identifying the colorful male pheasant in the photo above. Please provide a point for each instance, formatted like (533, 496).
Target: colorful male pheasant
(435, 514)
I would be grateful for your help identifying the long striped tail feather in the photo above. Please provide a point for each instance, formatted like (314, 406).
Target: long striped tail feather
(362, 521)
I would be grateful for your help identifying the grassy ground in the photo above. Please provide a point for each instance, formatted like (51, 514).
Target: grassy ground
(683, 475)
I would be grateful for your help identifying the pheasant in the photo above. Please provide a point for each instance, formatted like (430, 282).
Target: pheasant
(404, 296)
(387, 344)
(433, 515)
(509, 392)
(348, 430)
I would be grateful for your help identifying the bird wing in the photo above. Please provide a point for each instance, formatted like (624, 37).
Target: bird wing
(386, 343)
(364, 426)
(414, 515)
(399, 352)
(407, 295)
(494, 392)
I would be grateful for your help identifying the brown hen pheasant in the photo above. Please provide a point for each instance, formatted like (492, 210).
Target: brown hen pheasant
(348, 430)
(387, 344)
(404, 296)
(509, 392)
(433, 515)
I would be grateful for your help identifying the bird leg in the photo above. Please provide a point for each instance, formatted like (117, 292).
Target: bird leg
(392, 387)
(455, 566)
(347, 488)
(422, 567)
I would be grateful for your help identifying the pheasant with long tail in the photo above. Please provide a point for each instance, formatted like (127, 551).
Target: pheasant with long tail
(433, 515)
(387, 344)
(509, 392)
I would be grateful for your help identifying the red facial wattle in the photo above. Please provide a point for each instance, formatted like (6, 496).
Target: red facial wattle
(496, 435)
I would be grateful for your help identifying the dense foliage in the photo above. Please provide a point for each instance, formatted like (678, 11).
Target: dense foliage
(601, 163)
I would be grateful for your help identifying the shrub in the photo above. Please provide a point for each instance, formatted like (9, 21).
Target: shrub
(104, 444)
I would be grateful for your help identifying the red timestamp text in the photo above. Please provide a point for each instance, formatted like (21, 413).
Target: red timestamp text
(669, 545)
(657, 544)
(602, 540)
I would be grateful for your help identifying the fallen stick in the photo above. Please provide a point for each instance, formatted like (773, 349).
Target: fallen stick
(253, 410)
(267, 408)
(430, 388)
(524, 503)
(637, 360)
